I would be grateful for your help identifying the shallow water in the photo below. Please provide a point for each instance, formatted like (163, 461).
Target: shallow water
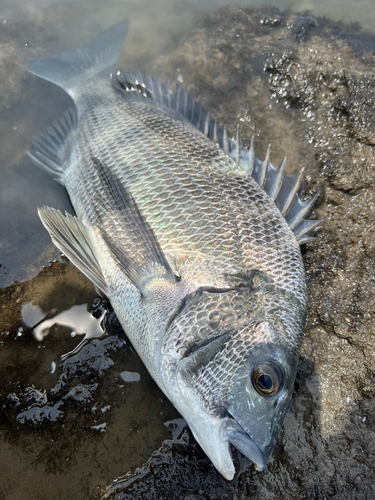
(78, 408)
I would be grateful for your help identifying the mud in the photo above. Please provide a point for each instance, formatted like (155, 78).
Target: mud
(68, 421)
(305, 85)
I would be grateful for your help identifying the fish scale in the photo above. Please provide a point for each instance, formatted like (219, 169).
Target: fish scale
(247, 203)
(194, 240)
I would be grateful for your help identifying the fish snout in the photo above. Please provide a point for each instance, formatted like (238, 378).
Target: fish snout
(232, 432)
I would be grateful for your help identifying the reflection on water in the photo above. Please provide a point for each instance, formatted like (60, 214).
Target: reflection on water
(31, 314)
(130, 376)
(77, 319)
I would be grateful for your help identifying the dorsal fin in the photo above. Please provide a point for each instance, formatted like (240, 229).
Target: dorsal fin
(281, 188)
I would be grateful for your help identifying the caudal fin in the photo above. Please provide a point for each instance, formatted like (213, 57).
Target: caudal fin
(70, 69)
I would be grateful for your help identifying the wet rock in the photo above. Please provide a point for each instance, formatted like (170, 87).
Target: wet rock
(178, 469)
(36, 414)
(81, 394)
(302, 27)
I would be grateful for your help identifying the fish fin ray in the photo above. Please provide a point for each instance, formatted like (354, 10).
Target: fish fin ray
(274, 179)
(261, 169)
(140, 87)
(288, 191)
(304, 227)
(305, 239)
(281, 188)
(50, 146)
(142, 258)
(70, 69)
(299, 210)
(70, 236)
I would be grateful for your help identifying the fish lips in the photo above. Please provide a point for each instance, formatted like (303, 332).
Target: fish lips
(232, 431)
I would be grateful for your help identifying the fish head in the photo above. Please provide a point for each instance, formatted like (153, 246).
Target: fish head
(236, 386)
(260, 398)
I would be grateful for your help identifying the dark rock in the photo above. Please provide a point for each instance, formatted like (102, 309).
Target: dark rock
(179, 469)
(302, 27)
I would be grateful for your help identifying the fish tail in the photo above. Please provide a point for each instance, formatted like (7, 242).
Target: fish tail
(71, 69)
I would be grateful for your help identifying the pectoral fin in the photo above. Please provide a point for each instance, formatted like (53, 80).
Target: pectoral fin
(129, 236)
(70, 236)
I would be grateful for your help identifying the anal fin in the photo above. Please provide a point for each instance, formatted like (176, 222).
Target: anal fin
(70, 236)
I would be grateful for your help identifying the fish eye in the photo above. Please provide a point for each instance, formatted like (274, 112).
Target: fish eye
(268, 378)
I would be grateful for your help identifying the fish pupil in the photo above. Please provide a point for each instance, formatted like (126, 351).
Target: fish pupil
(268, 378)
(265, 382)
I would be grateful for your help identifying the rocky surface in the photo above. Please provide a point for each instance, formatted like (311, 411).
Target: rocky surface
(306, 86)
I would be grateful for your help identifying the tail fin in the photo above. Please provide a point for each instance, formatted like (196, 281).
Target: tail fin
(71, 68)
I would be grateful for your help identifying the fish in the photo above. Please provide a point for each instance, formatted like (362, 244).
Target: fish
(193, 238)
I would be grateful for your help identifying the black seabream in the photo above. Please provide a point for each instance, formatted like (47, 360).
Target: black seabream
(194, 240)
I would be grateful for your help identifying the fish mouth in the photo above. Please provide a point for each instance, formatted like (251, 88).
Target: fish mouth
(232, 431)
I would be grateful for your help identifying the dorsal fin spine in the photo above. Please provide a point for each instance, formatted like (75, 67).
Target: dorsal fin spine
(225, 140)
(279, 179)
(264, 168)
(214, 134)
(238, 149)
(207, 125)
(282, 189)
(251, 159)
